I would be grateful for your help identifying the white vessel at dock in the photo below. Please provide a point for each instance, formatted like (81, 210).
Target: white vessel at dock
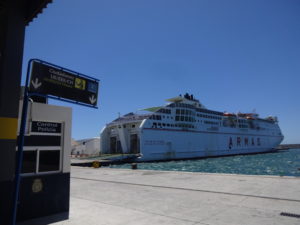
(184, 129)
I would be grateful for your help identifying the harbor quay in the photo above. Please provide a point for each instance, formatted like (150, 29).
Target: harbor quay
(107, 196)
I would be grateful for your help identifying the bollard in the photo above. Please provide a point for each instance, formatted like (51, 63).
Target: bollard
(133, 166)
(96, 164)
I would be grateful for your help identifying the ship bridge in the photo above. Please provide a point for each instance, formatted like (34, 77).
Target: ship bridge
(187, 99)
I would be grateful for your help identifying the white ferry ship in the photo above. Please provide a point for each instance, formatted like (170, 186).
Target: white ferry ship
(185, 129)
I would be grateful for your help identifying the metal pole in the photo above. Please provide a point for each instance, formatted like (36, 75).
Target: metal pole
(20, 146)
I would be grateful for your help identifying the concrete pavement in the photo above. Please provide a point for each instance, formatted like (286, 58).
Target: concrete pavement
(107, 196)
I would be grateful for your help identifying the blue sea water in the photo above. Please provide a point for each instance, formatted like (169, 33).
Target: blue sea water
(281, 163)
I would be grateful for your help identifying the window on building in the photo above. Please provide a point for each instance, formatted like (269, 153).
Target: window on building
(29, 161)
(49, 160)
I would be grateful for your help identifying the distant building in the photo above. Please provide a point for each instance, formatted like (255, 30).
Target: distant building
(86, 147)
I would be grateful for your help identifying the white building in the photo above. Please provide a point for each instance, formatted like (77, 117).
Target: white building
(86, 147)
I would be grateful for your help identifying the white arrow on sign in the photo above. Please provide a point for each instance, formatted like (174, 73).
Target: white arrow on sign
(36, 84)
(92, 99)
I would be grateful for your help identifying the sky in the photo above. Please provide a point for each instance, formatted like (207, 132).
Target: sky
(234, 56)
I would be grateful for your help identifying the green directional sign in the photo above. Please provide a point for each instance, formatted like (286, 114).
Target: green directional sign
(57, 81)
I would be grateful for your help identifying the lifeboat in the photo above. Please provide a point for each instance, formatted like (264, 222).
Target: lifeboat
(229, 114)
(243, 114)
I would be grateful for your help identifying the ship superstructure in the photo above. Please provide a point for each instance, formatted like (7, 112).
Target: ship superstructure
(184, 129)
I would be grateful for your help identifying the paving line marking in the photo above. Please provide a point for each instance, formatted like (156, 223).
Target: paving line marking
(187, 189)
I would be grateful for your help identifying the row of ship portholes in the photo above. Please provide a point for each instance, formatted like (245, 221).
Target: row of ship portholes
(243, 142)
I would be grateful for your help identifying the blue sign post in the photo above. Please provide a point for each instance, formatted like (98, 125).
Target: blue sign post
(51, 81)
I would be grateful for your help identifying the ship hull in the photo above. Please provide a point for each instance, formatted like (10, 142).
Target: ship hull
(162, 144)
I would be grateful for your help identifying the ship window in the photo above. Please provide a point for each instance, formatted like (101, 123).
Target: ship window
(186, 118)
(133, 126)
(124, 126)
(177, 118)
(182, 118)
(177, 111)
(164, 124)
(238, 141)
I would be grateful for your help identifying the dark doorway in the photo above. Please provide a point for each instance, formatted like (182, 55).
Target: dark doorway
(134, 144)
(113, 145)
(119, 147)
